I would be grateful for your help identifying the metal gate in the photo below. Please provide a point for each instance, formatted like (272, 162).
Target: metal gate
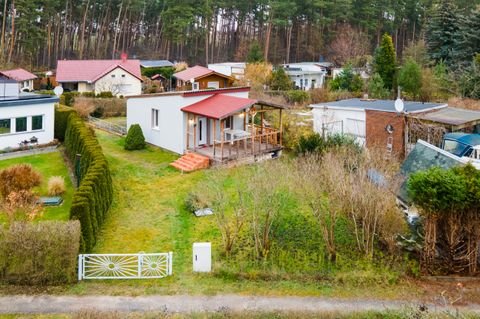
(124, 266)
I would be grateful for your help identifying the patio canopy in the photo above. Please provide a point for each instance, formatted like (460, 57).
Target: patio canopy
(219, 106)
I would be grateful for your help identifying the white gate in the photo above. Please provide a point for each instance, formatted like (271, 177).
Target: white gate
(124, 266)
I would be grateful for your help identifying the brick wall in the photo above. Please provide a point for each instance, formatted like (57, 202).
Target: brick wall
(376, 132)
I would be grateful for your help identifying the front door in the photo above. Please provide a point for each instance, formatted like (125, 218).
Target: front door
(202, 131)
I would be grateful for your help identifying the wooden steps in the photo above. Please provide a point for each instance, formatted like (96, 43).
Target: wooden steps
(191, 162)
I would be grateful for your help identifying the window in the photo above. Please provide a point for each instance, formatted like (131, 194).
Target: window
(123, 75)
(113, 75)
(306, 83)
(454, 147)
(21, 124)
(37, 122)
(229, 122)
(195, 86)
(154, 118)
(5, 126)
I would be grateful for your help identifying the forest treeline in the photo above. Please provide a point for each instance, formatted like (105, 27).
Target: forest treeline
(36, 33)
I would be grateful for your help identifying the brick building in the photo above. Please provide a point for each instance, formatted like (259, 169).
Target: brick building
(370, 122)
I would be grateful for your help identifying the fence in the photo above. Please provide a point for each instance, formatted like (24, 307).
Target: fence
(107, 126)
(124, 266)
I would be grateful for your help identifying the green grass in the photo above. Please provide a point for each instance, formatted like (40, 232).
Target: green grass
(50, 164)
(119, 120)
(148, 215)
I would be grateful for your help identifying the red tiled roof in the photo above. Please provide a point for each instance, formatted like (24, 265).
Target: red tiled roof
(18, 74)
(219, 106)
(193, 72)
(92, 70)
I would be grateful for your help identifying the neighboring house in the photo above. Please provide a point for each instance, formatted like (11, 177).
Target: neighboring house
(25, 118)
(232, 69)
(306, 75)
(201, 78)
(121, 77)
(218, 124)
(371, 122)
(23, 78)
(363, 72)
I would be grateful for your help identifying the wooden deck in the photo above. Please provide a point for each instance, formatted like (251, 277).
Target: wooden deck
(238, 150)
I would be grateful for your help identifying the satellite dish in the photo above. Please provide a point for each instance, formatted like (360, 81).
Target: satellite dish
(399, 105)
(58, 90)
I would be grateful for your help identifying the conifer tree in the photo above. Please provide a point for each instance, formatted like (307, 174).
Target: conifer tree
(410, 78)
(384, 61)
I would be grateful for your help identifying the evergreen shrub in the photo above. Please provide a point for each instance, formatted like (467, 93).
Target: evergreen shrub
(135, 139)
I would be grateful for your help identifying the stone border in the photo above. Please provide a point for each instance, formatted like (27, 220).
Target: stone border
(34, 151)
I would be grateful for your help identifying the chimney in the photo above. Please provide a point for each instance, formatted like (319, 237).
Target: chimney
(124, 57)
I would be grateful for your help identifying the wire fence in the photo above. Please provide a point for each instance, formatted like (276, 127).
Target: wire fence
(107, 126)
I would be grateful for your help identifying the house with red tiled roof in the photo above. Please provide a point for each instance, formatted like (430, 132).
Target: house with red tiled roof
(210, 126)
(121, 77)
(23, 77)
(201, 78)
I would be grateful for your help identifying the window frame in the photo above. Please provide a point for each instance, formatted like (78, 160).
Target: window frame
(17, 126)
(9, 126)
(155, 119)
(41, 122)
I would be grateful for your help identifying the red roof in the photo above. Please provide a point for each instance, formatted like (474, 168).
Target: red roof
(18, 74)
(219, 106)
(196, 72)
(92, 70)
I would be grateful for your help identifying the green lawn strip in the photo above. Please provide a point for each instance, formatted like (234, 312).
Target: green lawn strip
(118, 120)
(50, 164)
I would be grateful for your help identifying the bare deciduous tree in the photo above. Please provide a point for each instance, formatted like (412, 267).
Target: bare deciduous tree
(349, 43)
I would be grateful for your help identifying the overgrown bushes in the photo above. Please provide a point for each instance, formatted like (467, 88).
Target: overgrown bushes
(92, 199)
(39, 253)
(135, 139)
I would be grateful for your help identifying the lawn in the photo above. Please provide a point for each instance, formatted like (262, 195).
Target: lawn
(148, 216)
(50, 164)
(118, 120)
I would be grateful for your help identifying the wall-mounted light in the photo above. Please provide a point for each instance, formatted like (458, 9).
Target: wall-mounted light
(241, 115)
(191, 122)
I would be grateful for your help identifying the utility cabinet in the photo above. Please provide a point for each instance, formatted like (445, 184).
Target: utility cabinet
(202, 257)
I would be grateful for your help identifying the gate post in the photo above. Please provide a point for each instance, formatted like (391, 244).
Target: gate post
(170, 262)
(80, 267)
(140, 262)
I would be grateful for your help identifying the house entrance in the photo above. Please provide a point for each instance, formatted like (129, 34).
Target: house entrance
(202, 130)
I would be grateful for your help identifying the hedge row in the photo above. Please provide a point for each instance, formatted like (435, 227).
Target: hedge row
(93, 197)
(39, 253)
(61, 120)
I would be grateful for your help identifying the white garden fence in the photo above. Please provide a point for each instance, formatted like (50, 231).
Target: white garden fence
(107, 126)
(124, 266)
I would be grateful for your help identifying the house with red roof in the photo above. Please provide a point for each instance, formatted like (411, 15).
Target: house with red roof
(23, 77)
(208, 126)
(201, 78)
(121, 77)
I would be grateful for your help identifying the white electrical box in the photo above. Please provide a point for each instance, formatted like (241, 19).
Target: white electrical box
(202, 257)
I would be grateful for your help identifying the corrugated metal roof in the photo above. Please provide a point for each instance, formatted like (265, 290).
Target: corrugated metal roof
(451, 116)
(219, 106)
(380, 105)
(155, 63)
(18, 74)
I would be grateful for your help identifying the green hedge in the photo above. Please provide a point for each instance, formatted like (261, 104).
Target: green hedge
(61, 120)
(39, 253)
(93, 197)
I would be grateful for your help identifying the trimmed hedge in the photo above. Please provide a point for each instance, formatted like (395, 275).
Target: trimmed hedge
(39, 253)
(93, 197)
(61, 120)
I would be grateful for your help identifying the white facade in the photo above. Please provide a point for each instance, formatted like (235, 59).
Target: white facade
(169, 131)
(118, 81)
(21, 120)
(233, 69)
(330, 120)
(26, 86)
(307, 75)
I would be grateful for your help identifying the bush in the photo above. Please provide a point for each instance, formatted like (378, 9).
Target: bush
(39, 253)
(88, 94)
(135, 139)
(17, 178)
(105, 95)
(56, 186)
(84, 107)
(67, 98)
(93, 198)
(194, 202)
(315, 143)
(297, 96)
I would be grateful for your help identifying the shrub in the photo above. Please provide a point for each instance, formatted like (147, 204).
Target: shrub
(93, 198)
(319, 95)
(18, 177)
(88, 94)
(21, 205)
(56, 186)
(84, 107)
(194, 202)
(315, 143)
(297, 96)
(39, 253)
(67, 98)
(135, 139)
(106, 94)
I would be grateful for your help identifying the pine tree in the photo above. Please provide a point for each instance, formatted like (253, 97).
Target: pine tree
(441, 32)
(384, 61)
(255, 53)
(280, 80)
(410, 78)
(467, 41)
(376, 88)
(135, 139)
